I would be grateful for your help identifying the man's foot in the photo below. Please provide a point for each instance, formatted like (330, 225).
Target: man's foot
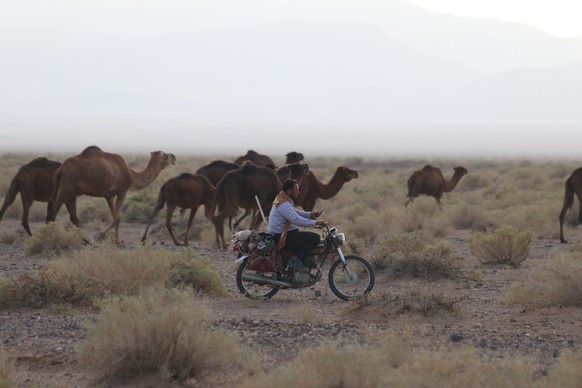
(294, 262)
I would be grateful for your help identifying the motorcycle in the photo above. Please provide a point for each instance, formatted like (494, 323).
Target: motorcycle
(262, 270)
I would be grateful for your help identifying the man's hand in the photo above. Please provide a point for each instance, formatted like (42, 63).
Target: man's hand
(321, 223)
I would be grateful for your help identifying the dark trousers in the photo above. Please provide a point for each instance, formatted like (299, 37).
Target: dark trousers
(299, 242)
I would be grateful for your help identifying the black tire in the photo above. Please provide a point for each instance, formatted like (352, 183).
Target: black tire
(352, 280)
(253, 290)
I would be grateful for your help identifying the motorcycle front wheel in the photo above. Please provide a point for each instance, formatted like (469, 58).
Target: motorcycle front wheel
(251, 289)
(351, 280)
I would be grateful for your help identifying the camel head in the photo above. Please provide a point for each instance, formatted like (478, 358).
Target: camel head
(293, 157)
(460, 171)
(346, 173)
(163, 159)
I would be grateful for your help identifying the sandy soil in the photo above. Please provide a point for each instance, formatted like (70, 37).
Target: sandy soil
(45, 343)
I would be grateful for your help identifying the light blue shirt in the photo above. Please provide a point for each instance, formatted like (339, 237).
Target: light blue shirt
(287, 212)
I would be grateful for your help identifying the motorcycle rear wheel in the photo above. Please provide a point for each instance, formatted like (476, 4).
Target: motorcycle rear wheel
(352, 280)
(253, 290)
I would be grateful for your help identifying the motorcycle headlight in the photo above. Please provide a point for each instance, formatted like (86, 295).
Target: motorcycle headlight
(339, 238)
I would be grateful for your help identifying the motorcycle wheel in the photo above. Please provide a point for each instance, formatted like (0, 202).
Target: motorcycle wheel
(351, 280)
(253, 290)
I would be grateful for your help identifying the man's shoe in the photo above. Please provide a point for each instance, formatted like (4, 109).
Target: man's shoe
(294, 262)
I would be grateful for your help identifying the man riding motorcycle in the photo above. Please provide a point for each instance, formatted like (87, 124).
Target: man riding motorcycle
(284, 222)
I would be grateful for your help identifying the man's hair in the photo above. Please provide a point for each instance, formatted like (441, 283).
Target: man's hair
(289, 184)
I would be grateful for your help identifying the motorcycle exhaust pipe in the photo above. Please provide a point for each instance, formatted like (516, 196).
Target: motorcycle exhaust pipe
(260, 279)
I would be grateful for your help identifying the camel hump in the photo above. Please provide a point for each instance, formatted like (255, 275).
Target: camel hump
(184, 175)
(428, 167)
(90, 150)
(43, 162)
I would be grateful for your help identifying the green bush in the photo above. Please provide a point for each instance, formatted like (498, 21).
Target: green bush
(505, 245)
(52, 239)
(140, 206)
(163, 331)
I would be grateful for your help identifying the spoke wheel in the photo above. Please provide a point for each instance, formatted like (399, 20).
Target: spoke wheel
(352, 280)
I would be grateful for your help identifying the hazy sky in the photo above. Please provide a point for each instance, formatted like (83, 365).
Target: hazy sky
(119, 17)
(97, 20)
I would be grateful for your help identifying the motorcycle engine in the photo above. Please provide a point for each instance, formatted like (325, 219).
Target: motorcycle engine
(301, 278)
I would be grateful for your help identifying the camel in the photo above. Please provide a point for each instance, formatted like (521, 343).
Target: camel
(294, 171)
(34, 181)
(256, 158)
(310, 188)
(430, 181)
(101, 174)
(238, 188)
(186, 191)
(215, 170)
(573, 186)
(293, 157)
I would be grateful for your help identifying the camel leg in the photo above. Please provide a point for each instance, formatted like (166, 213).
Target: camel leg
(219, 231)
(237, 222)
(10, 197)
(189, 224)
(152, 217)
(27, 200)
(169, 210)
(71, 206)
(568, 201)
(116, 219)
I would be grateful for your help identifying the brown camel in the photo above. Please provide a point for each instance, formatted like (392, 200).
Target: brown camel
(185, 191)
(294, 171)
(430, 181)
(573, 186)
(34, 181)
(101, 174)
(215, 170)
(311, 188)
(256, 158)
(238, 188)
(293, 157)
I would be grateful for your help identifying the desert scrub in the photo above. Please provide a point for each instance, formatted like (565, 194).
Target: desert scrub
(555, 282)
(6, 370)
(395, 364)
(140, 206)
(429, 300)
(52, 240)
(505, 245)
(157, 331)
(417, 254)
(88, 274)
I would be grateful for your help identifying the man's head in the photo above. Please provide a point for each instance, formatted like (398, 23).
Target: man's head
(291, 188)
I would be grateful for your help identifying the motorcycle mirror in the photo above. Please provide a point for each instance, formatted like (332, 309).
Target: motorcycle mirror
(319, 212)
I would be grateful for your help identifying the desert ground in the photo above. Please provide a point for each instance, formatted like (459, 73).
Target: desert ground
(44, 342)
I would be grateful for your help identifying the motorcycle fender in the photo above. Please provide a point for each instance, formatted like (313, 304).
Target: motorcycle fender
(240, 260)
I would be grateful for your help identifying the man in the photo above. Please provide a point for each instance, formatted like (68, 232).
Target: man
(284, 218)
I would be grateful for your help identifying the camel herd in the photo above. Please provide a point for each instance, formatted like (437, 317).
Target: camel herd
(251, 182)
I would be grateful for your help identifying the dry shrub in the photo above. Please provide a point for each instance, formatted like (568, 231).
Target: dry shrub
(418, 255)
(93, 273)
(466, 216)
(567, 371)
(52, 240)
(505, 245)
(555, 282)
(139, 207)
(157, 331)
(395, 364)
(6, 370)
(7, 237)
(430, 299)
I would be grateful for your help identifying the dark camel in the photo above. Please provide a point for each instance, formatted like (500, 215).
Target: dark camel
(256, 158)
(573, 186)
(293, 157)
(312, 188)
(215, 170)
(34, 181)
(238, 188)
(294, 171)
(185, 191)
(101, 174)
(430, 181)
